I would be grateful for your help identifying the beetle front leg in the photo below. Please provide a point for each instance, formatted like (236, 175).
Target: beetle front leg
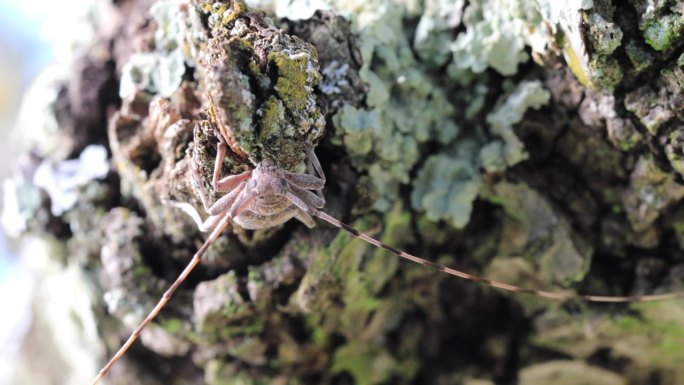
(231, 181)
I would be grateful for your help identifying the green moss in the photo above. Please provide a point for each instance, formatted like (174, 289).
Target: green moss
(272, 119)
(366, 364)
(660, 326)
(292, 84)
(171, 325)
(218, 372)
(248, 349)
(673, 151)
(662, 32)
(239, 7)
(605, 72)
(398, 233)
(343, 273)
(639, 56)
(650, 337)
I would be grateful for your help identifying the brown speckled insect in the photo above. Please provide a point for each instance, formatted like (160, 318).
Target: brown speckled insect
(268, 196)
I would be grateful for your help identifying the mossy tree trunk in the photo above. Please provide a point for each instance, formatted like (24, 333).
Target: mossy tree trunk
(437, 134)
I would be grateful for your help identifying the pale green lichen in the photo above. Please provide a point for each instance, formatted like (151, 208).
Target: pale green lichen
(497, 32)
(495, 36)
(296, 9)
(21, 201)
(509, 150)
(433, 34)
(605, 36)
(161, 71)
(563, 13)
(62, 180)
(406, 108)
(446, 187)
(152, 72)
(357, 128)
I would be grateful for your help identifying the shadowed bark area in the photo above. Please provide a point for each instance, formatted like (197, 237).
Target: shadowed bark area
(563, 172)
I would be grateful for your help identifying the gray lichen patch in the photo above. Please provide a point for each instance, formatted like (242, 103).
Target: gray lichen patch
(649, 337)
(124, 273)
(149, 153)
(674, 149)
(650, 107)
(623, 133)
(161, 70)
(568, 373)
(542, 235)
(651, 192)
(605, 36)
(218, 304)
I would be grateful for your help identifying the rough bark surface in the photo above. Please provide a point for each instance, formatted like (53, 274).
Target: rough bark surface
(437, 134)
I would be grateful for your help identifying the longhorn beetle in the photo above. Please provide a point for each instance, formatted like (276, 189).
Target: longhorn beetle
(267, 196)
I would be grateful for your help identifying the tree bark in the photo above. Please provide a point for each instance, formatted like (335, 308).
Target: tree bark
(437, 134)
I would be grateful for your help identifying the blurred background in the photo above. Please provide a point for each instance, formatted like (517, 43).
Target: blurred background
(25, 50)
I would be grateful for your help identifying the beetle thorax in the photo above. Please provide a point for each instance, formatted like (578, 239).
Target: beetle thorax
(268, 179)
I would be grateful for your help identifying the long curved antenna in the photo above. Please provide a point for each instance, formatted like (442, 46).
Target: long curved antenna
(496, 284)
(196, 259)
(239, 206)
